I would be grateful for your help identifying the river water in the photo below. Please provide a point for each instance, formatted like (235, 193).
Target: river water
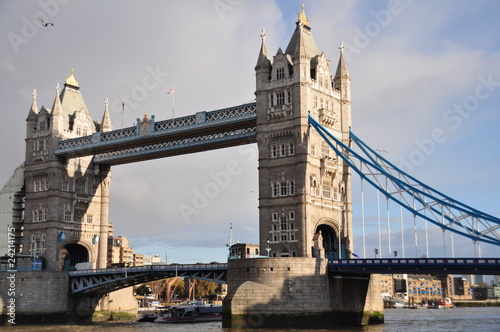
(396, 320)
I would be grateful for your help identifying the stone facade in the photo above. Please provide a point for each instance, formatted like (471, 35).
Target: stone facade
(67, 200)
(305, 205)
(304, 189)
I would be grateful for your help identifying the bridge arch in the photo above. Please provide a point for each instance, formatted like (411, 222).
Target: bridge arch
(72, 253)
(330, 233)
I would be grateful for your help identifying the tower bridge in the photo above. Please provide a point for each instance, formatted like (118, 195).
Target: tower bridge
(301, 123)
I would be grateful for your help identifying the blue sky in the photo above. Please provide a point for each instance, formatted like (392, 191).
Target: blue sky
(412, 64)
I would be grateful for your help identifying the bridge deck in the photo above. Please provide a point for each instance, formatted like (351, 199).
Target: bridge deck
(150, 140)
(101, 281)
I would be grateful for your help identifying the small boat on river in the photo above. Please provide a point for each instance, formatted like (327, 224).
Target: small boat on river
(445, 303)
(192, 312)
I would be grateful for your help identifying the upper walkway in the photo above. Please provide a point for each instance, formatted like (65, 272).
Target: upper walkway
(149, 139)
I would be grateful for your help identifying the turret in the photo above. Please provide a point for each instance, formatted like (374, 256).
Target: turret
(263, 67)
(106, 119)
(342, 78)
(57, 118)
(32, 116)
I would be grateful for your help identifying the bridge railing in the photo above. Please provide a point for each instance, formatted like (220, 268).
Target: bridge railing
(200, 119)
(460, 261)
(149, 268)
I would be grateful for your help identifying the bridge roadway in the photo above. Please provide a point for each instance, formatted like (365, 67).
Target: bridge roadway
(102, 281)
(149, 139)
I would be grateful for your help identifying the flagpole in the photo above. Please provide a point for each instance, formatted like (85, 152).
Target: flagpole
(173, 102)
(123, 111)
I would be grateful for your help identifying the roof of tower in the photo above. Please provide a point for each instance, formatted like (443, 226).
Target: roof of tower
(72, 101)
(302, 37)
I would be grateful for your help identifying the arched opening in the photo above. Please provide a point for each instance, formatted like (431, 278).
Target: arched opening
(330, 242)
(284, 252)
(72, 254)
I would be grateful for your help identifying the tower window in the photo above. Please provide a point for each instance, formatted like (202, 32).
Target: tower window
(80, 185)
(67, 216)
(326, 189)
(90, 218)
(79, 215)
(274, 151)
(65, 185)
(313, 149)
(283, 188)
(275, 188)
(280, 98)
(289, 97)
(282, 150)
(291, 149)
(274, 216)
(291, 215)
(42, 125)
(291, 187)
(325, 149)
(283, 224)
(280, 73)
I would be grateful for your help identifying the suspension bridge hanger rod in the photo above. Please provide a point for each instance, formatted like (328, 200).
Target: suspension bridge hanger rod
(445, 212)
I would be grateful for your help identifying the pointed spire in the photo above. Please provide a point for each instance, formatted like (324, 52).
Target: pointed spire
(106, 119)
(57, 117)
(56, 107)
(342, 72)
(263, 61)
(34, 107)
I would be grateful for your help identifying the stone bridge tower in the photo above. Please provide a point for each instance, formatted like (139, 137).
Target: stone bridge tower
(67, 200)
(305, 205)
(305, 190)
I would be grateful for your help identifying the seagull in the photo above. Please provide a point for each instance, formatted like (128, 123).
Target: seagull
(45, 24)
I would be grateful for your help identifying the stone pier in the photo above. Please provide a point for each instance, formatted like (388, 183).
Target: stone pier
(297, 293)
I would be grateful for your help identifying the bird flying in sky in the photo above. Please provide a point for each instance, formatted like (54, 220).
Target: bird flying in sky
(45, 24)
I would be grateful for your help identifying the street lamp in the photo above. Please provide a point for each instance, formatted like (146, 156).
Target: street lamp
(376, 252)
(127, 264)
(268, 248)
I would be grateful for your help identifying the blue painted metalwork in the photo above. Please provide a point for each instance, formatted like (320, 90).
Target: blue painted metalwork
(150, 139)
(101, 281)
(412, 194)
(480, 266)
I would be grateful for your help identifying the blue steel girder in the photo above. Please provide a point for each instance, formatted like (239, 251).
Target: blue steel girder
(150, 140)
(479, 266)
(102, 281)
(411, 194)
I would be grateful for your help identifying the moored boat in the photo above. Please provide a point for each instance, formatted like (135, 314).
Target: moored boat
(191, 312)
(445, 303)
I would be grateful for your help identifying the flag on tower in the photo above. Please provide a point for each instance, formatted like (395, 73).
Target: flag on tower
(170, 91)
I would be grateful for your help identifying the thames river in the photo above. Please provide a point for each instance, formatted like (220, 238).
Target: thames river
(396, 320)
